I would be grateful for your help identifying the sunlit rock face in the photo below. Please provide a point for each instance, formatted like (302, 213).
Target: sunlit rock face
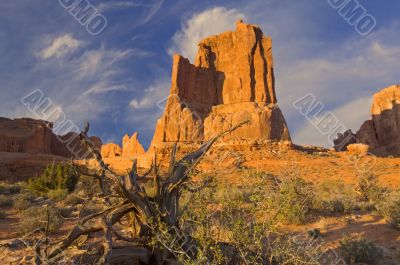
(231, 81)
(382, 131)
(131, 145)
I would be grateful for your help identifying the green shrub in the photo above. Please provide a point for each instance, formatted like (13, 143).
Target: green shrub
(54, 177)
(36, 218)
(334, 198)
(356, 250)
(368, 187)
(294, 200)
(5, 201)
(390, 208)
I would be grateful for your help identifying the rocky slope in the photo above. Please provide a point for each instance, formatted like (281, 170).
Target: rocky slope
(232, 80)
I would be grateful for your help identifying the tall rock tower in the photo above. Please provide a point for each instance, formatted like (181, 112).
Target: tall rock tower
(232, 80)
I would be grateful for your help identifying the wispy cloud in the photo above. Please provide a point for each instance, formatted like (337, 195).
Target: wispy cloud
(201, 25)
(149, 8)
(60, 46)
(112, 5)
(156, 92)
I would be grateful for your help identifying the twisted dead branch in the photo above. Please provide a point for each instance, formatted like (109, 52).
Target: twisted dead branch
(142, 211)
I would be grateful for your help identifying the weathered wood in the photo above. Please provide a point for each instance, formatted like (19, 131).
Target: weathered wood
(143, 211)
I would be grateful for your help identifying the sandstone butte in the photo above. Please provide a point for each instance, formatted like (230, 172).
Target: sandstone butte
(231, 81)
(382, 131)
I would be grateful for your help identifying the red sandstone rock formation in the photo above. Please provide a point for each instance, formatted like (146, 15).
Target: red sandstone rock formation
(232, 80)
(382, 132)
(131, 145)
(110, 150)
(36, 137)
(25, 136)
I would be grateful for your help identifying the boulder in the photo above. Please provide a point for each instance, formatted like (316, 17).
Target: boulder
(358, 149)
(231, 81)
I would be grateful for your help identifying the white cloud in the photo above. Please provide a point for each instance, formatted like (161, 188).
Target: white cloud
(95, 61)
(201, 25)
(140, 104)
(155, 93)
(104, 88)
(60, 46)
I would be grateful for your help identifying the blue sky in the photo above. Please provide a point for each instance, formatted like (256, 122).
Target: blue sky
(116, 78)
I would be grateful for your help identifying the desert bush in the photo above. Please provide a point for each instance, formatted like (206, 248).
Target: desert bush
(357, 249)
(294, 200)
(87, 186)
(389, 207)
(368, 187)
(289, 249)
(23, 201)
(334, 198)
(54, 177)
(6, 188)
(36, 218)
(5, 201)
(57, 194)
(73, 199)
(230, 214)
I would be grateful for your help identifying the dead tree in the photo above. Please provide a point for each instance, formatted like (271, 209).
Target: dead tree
(131, 202)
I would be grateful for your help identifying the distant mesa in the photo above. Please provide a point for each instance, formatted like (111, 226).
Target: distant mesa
(231, 81)
(27, 146)
(32, 136)
(382, 132)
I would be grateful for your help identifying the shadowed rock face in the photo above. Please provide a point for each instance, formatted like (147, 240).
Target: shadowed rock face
(232, 80)
(382, 132)
(25, 136)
